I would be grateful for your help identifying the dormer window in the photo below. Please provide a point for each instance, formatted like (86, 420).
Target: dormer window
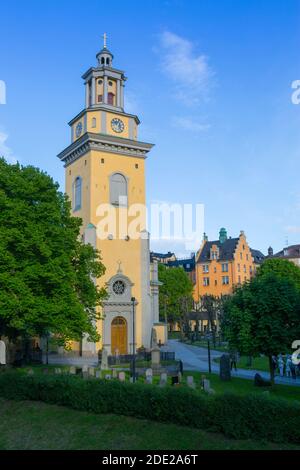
(214, 254)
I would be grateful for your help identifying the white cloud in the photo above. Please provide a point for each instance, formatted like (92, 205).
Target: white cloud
(190, 72)
(292, 229)
(6, 151)
(189, 124)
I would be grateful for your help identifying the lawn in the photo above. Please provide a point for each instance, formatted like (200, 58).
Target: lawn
(35, 425)
(258, 363)
(236, 385)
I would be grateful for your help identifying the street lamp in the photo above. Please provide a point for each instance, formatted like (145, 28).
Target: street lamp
(133, 300)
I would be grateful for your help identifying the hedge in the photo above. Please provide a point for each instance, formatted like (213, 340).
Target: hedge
(252, 416)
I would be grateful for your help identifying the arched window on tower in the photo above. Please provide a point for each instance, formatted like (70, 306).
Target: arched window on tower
(110, 98)
(102, 60)
(77, 190)
(118, 190)
(107, 61)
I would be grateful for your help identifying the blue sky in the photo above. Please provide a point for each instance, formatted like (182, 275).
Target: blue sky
(210, 81)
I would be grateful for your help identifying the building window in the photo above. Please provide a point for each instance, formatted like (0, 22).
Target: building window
(225, 267)
(94, 122)
(100, 82)
(250, 269)
(107, 61)
(102, 160)
(102, 60)
(205, 268)
(206, 281)
(136, 165)
(110, 98)
(213, 254)
(241, 255)
(77, 190)
(247, 257)
(245, 268)
(239, 268)
(118, 190)
(225, 280)
(110, 83)
(100, 98)
(239, 279)
(216, 282)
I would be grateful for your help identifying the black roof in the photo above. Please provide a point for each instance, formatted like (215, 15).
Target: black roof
(161, 255)
(188, 264)
(292, 251)
(258, 256)
(226, 250)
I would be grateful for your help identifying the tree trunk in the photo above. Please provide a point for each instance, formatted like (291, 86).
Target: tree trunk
(271, 366)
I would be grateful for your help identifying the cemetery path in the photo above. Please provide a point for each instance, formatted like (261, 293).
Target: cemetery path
(195, 358)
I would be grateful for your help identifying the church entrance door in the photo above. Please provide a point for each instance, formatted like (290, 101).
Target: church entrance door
(119, 335)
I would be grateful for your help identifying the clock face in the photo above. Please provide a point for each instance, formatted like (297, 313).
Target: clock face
(117, 125)
(78, 129)
(119, 287)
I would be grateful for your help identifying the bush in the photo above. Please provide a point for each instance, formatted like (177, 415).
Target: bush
(240, 417)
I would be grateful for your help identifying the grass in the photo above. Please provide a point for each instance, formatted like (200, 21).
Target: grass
(39, 426)
(236, 385)
(203, 344)
(258, 363)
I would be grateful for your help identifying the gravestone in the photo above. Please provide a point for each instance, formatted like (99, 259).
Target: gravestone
(259, 381)
(45, 371)
(2, 353)
(163, 379)
(179, 377)
(122, 376)
(57, 370)
(155, 358)
(175, 380)
(190, 381)
(114, 373)
(206, 385)
(91, 371)
(104, 360)
(149, 379)
(98, 374)
(149, 372)
(72, 370)
(30, 372)
(107, 376)
(85, 372)
(225, 373)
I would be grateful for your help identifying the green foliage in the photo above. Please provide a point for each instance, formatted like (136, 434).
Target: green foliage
(240, 417)
(175, 294)
(263, 316)
(282, 268)
(45, 270)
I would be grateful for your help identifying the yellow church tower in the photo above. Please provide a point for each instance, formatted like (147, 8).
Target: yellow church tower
(105, 181)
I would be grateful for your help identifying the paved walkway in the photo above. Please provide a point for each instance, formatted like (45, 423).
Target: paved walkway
(196, 359)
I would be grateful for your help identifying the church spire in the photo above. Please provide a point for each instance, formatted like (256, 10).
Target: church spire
(104, 57)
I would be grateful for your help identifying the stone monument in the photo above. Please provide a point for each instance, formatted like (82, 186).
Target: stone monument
(225, 373)
(2, 353)
(104, 360)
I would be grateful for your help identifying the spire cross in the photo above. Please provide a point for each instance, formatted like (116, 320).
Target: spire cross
(104, 40)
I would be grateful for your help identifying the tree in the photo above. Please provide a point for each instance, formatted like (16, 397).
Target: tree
(46, 272)
(175, 294)
(282, 268)
(263, 317)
